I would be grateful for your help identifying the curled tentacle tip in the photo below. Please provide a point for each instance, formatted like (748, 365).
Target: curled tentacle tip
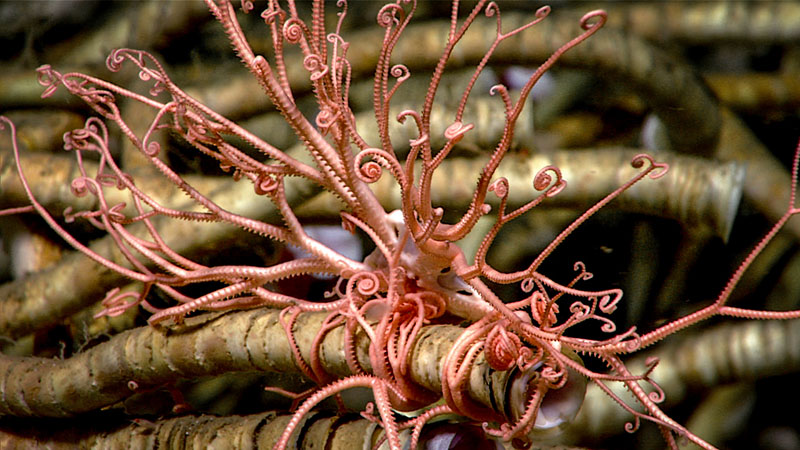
(48, 78)
(367, 283)
(608, 327)
(544, 180)
(269, 15)
(498, 89)
(401, 116)
(329, 115)
(491, 9)
(638, 160)
(370, 171)
(157, 89)
(457, 130)
(314, 64)
(400, 72)
(633, 344)
(79, 188)
(527, 284)
(388, 15)
(265, 184)
(656, 170)
(114, 60)
(293, 30)
(631, 427)
(152, 149)
(499, 187)
(542, 12)
(586, 23)
(579, 266)
(656, 396)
